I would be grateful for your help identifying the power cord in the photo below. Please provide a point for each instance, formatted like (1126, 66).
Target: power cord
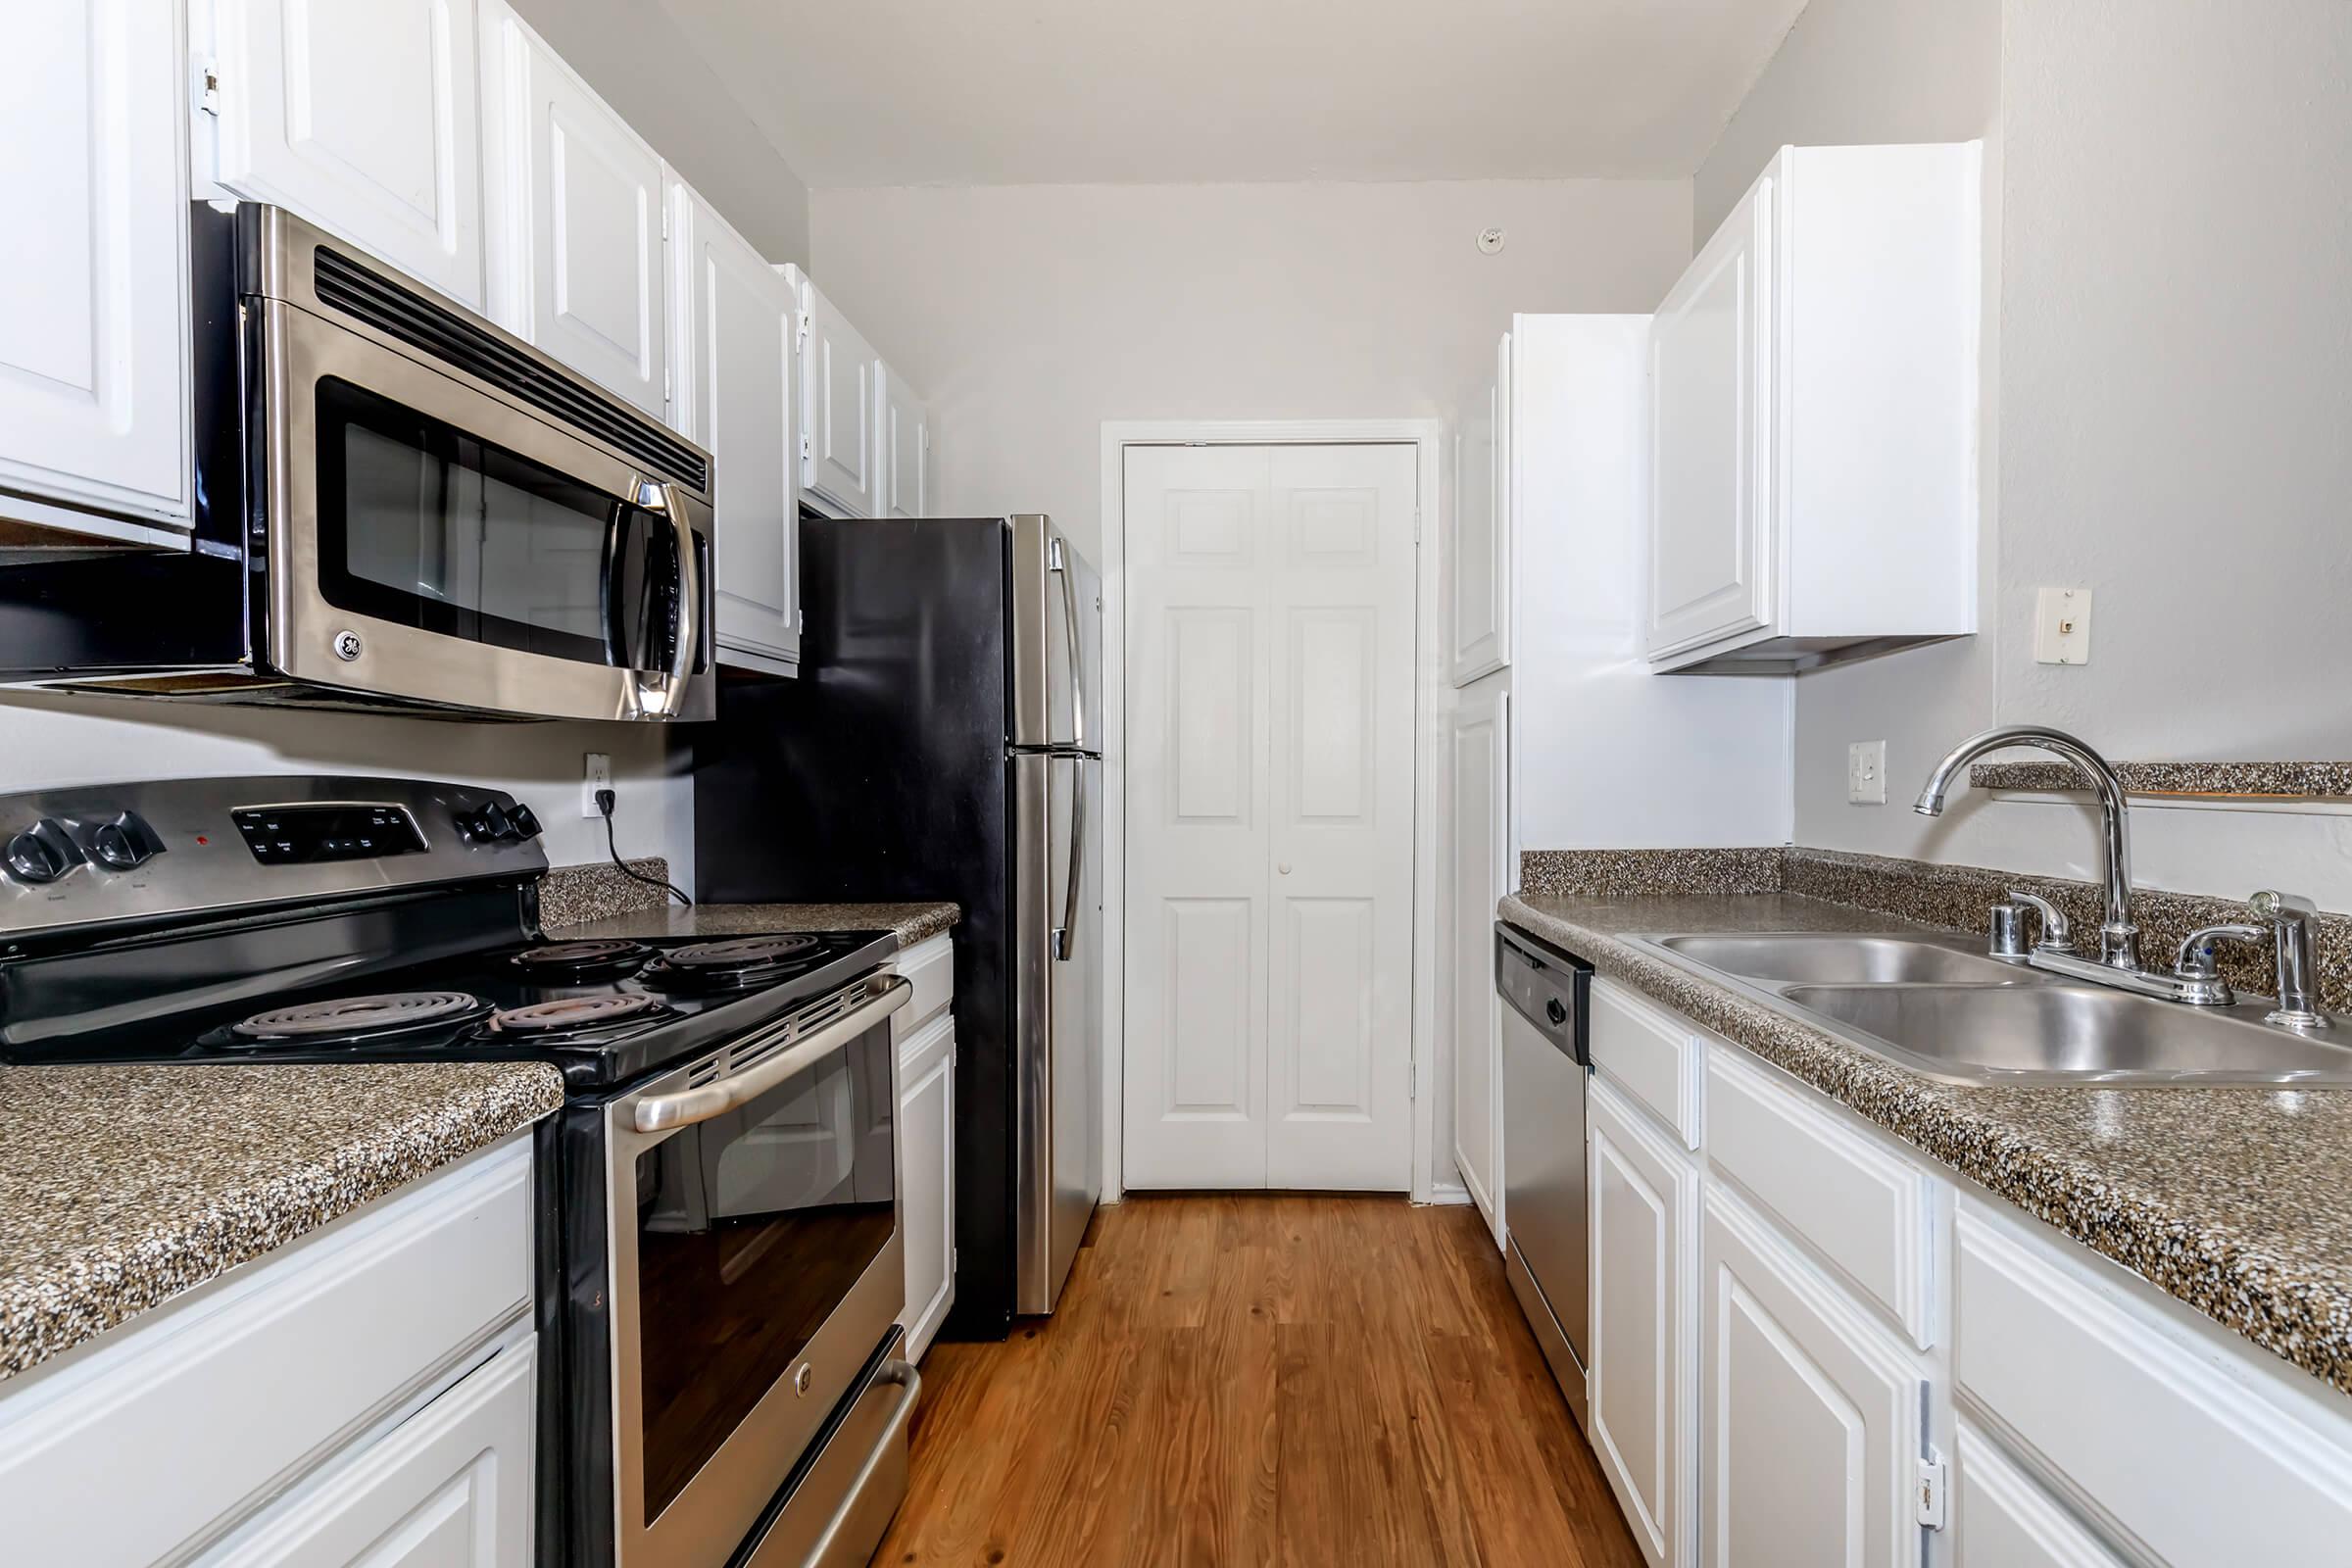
(604, 803)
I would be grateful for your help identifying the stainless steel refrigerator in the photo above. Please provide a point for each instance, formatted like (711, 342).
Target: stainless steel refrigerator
(944, 741)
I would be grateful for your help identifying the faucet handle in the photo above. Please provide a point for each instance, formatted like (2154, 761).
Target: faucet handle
(2057, 935)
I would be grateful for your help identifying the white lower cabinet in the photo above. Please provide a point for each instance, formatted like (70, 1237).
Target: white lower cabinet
(362, 1394)
(1811, 1414)
(2003, 1518)
(1645, 1331)
(1892, 1370)
(451, 1487)
(924, 1032)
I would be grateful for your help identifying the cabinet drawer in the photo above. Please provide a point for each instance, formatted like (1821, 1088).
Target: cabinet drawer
(452, 1485)
(2144, 1424)
(929, 966)
(1861, 1208)
(1652, 1054)
(215, 1403)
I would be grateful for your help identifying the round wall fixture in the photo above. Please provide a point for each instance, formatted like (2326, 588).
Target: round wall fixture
(1490, 240)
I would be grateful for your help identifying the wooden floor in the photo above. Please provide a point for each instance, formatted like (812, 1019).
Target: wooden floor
(1260, 1379)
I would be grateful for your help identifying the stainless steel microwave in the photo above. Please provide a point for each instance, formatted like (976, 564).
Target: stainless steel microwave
(397, 503)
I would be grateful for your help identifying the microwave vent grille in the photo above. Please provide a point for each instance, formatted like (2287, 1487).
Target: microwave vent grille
(368, 296)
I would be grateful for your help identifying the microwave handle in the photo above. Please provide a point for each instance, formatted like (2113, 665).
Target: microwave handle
(663, 701)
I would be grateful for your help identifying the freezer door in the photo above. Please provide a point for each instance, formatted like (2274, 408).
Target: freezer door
(1056, 641)
(1058, 1015)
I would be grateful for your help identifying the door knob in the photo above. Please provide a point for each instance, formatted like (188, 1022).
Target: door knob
(1283, 869)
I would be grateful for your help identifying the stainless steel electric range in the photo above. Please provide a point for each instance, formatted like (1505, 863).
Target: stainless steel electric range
(720, 1260)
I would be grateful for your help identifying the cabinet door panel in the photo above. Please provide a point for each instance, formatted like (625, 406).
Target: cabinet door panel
(1480, 581)
(927, 1176)
(576, 262)
(838, 373)
(364, 120)
(1811, 1412)
(451, 1487)
(1475, 785)
(93, 391)
(1644, 1326)
(733, 365)
(2002, 1518)
(904, 436)
(1711, 551)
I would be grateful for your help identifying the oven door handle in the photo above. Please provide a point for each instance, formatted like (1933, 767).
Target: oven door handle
(910, 1388)
(664, 697)
(661, 1113)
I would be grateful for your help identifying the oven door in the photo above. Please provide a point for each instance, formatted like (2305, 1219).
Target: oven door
(756, 1264)
(430, 542)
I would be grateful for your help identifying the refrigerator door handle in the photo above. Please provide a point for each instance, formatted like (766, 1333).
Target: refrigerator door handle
(1064, 939)
(1057, 563)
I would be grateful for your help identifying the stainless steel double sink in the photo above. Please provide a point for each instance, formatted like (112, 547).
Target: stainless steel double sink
(1939, 1009)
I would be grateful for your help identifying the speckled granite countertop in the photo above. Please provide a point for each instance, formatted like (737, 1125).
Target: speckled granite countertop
(911, 922)
(2239, 1201)
(122, 1186)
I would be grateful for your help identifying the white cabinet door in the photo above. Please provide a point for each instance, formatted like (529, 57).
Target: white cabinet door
(364, 120)
(1811, 1414)
(732, 362)
(451, 1487)
(904, 427)
(93, 385)
(1711, 546)
(2002, 1518)
(1644, 1325)
(575, 248)
(1479, 579)
(838, 374)
(927, 1180)
(1477, 772)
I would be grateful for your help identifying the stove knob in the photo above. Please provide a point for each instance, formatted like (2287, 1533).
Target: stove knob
(523, 822)
(42, 853)
(125, 843)
(485, 827)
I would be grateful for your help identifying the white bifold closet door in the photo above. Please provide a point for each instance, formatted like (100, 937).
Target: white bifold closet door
(1269, 720)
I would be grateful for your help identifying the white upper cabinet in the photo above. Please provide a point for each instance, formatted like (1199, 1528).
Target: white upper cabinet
(902, 424)
(93, 382)
(575, 245)
(1478, 552)
(732, 362)
(1814, 395)
(839, 450)
(363, 120)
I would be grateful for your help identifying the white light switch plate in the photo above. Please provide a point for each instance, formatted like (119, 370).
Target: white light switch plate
(1866, 772)
(2062, 626)
(595, 773)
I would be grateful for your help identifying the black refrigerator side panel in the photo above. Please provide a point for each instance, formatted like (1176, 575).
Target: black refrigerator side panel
(880, 774)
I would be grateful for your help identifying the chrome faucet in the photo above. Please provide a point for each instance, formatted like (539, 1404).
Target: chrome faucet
(2119, 938)
(2195, 975)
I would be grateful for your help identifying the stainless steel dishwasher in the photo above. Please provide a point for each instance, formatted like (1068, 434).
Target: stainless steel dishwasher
(1545, 1062)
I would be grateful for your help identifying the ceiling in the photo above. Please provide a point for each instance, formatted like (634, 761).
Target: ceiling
(990, 92)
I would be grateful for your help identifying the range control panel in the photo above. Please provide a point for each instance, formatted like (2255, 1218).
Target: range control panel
(279, 835)
(74, 859)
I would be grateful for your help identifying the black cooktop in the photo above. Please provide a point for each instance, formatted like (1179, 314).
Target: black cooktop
(604, 1011)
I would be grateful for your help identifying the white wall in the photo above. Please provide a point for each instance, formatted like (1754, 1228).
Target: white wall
(1030, 314)
(49, 740)
(2168, 393)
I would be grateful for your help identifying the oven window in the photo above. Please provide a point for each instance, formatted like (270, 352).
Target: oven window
(751, 1229)
(423, 524)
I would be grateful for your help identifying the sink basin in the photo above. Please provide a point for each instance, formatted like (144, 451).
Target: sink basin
(1838, 959)
(2072, 1034)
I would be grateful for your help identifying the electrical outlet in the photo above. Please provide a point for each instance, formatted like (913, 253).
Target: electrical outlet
(1866, 772)
(2062, 626)
(595, 773)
